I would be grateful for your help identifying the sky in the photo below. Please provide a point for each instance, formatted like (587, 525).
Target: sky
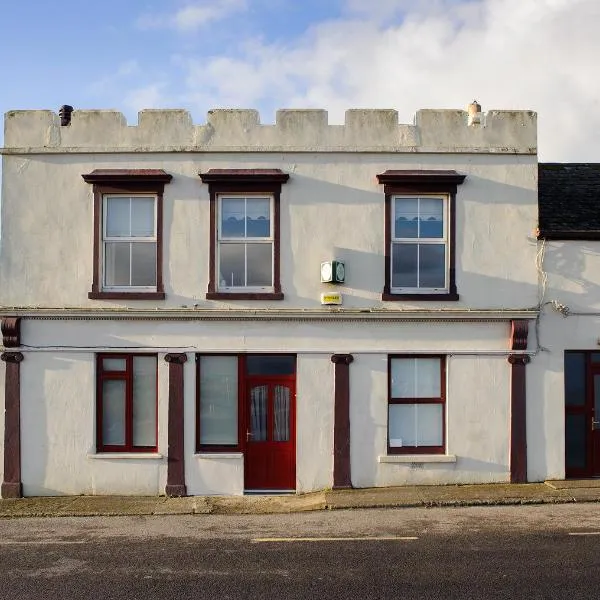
(128, 55)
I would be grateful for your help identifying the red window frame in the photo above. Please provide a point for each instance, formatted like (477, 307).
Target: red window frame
(244, 381)
(103, 375)
(435, 400)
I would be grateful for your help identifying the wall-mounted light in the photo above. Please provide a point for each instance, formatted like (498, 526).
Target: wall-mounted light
(333, 271)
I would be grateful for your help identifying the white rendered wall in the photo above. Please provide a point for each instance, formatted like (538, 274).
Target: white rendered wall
(58, 402)
(58, 419)
(477, 424)
(573, 281)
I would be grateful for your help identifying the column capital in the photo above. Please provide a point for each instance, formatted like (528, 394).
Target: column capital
(519, 359)
(344, 359)
(178, 359)
(12, 357)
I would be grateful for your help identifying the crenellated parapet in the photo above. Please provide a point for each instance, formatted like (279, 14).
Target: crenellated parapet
(228, 130)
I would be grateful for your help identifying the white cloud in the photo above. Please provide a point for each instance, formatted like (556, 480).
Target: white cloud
(193, 15)
(149, 96)
(508, 54)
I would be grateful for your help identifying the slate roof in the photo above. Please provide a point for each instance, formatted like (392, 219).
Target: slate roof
(569, 201)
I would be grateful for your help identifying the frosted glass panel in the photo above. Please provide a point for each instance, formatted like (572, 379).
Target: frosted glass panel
(415, 425)
(232, 267)
(117, 264)
(281, 430)
(416, 378)
(113, 413)
(258, 413)
(143, 264)
(218, 400)
(144, 401)
(114, 364)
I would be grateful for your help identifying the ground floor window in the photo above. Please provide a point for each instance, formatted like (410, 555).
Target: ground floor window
(416, 404)
(242, 399)
(126, 402)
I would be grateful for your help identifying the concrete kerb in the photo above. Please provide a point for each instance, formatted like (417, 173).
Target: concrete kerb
(399, 497)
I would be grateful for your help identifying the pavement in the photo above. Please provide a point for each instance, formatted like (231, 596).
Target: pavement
(549, 492)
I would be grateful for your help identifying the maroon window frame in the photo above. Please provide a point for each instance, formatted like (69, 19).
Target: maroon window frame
(404, 182)
(244, 181)
(126, 181)
(244, 380)
(437, 400)
(103, 375)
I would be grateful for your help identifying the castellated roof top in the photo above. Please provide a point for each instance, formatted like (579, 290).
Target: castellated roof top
(228, 130)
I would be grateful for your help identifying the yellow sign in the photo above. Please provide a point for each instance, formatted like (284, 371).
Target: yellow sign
(331, 298)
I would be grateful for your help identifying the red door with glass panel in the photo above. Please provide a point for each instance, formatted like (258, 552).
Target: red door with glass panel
(270, 455)
(582, 414)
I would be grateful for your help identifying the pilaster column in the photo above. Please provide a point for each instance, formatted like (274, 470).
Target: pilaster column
(11, 484)
(518, 402)
(341, 427)
(176, 464)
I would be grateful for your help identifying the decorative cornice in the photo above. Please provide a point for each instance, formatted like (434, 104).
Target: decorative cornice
(178, 359)
(11, 332)
(425, 176)
(343, 359)
(11, 357)
(273, 314)
(244, 176)
(116, 176)
(519, 334)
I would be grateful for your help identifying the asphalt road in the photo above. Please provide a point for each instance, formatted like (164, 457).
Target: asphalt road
(504, 552)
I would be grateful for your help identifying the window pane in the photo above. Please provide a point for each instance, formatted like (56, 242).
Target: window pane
(575, 430)
(406, 215)
(404, 265)
(415, 425)
(114, 364)
(143, 263)
(116, 264)
(218, 400)
(144, 401)
(574, 378)
(258, 413)
(142, 217)
(233, 214)
(270, 365)
(113, 413)
(431, 213)
(432, 266)
(281, 428)
(416, 378)
(258, 217)
(231, 272)
(260, 264)
(117, 217)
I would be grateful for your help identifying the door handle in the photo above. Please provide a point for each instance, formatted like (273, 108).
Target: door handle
(595, 424)
(248, 435)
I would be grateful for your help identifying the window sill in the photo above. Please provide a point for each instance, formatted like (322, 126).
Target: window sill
(126, 455)
(126, 295)
(244, 296)
(417, 458)
(217, 455)
(450, 297)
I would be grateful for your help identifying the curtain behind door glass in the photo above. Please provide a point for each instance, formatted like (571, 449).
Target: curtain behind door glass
(258, 413)
(282, 414)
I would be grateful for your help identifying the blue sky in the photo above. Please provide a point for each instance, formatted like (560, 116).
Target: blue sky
(333, 54)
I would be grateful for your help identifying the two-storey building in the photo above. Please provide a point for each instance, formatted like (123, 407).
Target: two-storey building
(235, 307)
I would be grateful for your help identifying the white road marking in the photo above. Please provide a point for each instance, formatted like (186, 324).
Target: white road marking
(40, 542)
(386, 538)
(585, 533)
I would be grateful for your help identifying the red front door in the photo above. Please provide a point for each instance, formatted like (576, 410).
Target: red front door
(582, 414)
(270, 456)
